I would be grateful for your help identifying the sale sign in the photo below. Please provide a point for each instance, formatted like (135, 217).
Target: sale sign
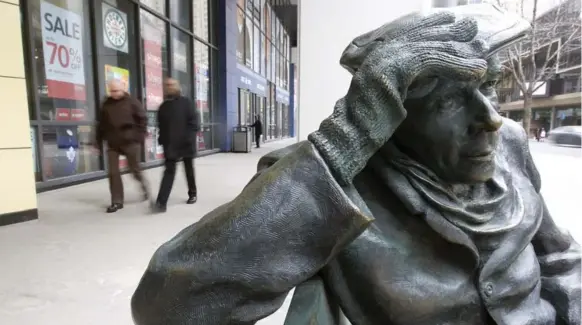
(152, 50)
(62, 46)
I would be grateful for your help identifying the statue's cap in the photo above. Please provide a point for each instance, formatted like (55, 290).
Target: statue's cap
(497, 27)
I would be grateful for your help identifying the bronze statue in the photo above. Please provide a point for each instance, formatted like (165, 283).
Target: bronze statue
(414, 203)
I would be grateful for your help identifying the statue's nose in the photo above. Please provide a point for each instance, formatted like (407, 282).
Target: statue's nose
(488, 119)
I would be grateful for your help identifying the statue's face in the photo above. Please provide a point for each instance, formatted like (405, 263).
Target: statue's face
(454, 130)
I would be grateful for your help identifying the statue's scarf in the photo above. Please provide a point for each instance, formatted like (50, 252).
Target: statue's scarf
(488, 212)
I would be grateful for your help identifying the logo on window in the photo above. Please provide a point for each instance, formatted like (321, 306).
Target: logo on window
(115, 28)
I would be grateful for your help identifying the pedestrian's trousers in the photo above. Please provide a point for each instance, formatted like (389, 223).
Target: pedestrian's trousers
(170, 174)
(132, 153)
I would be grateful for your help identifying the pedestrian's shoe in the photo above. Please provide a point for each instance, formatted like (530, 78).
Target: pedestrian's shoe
(157, 207)
(192, 200)
(114, 207)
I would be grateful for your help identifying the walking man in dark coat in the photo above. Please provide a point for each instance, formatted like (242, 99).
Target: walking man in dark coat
(178, 125)
(258, 130)
(123, 125)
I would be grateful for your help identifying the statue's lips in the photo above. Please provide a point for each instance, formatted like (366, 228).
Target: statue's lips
(481, 155)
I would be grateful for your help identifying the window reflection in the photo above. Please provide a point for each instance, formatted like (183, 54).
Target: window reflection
(180, 13)
(201, 15)
(68, 151)
(155, 69)
(182, 61)
(157, 5)
(201, 69)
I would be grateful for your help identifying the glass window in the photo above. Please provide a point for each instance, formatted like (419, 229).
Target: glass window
(263, 57)
(567, 116)
(273, 62)
(203, 82)
(201, 14)
(155, 69)
(157, 5)
(249, 7)
(68, 151)
(266, 17)
(257, 49)
(182, 60)
(155, 62)
(62, 53)
(249, 46)
(117, 44)
(242, 36)
(180, 13)
(202, 71)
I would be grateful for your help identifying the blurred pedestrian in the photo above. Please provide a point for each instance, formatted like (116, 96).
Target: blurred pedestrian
(122, 124)
(178, 124)
(258, 130)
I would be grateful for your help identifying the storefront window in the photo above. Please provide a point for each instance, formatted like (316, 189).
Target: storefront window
(567, 117)
(180, 13)
(155, 69)
(273, 62)
(249, 47)
(202, 76)
(157, 5)
(257, 49)
(242, 36)
(201, 15)
(68, 151)
(62, 54)
(182, 60)
(263, 56)
(541, 119)
(117, 44)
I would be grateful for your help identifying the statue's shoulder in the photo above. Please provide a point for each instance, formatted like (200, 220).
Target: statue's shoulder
(297, 149)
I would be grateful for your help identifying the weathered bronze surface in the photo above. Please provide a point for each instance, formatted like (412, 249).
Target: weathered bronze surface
(414, 203)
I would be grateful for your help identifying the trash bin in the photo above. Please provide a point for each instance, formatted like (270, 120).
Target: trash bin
(241, 139)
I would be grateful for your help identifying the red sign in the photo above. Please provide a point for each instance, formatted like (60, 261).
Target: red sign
(65, 90)
(77, 114)
(62, 114)
(152, 48)
(201, 144)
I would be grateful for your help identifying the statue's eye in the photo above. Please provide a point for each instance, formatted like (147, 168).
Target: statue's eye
(489, 84)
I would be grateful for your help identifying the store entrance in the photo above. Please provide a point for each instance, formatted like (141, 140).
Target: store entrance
(249, 106)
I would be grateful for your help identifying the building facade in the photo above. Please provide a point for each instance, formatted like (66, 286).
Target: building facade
(231, 58)
(556, 100)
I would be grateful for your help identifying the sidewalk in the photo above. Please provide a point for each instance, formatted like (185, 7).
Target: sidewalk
(78, 265)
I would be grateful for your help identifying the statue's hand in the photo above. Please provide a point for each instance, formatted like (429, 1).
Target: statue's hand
(405, 66)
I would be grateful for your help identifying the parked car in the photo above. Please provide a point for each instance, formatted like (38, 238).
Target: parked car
(567, 136)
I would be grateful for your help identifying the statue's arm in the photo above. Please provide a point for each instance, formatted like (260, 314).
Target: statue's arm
(559, 256)
(237, 264)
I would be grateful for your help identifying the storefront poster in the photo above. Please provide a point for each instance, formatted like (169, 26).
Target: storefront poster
(152, 48)
(114, 28)
(62, 37)
(116, 73)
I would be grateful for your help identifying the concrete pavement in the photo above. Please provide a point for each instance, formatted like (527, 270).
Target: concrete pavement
(78, 265)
